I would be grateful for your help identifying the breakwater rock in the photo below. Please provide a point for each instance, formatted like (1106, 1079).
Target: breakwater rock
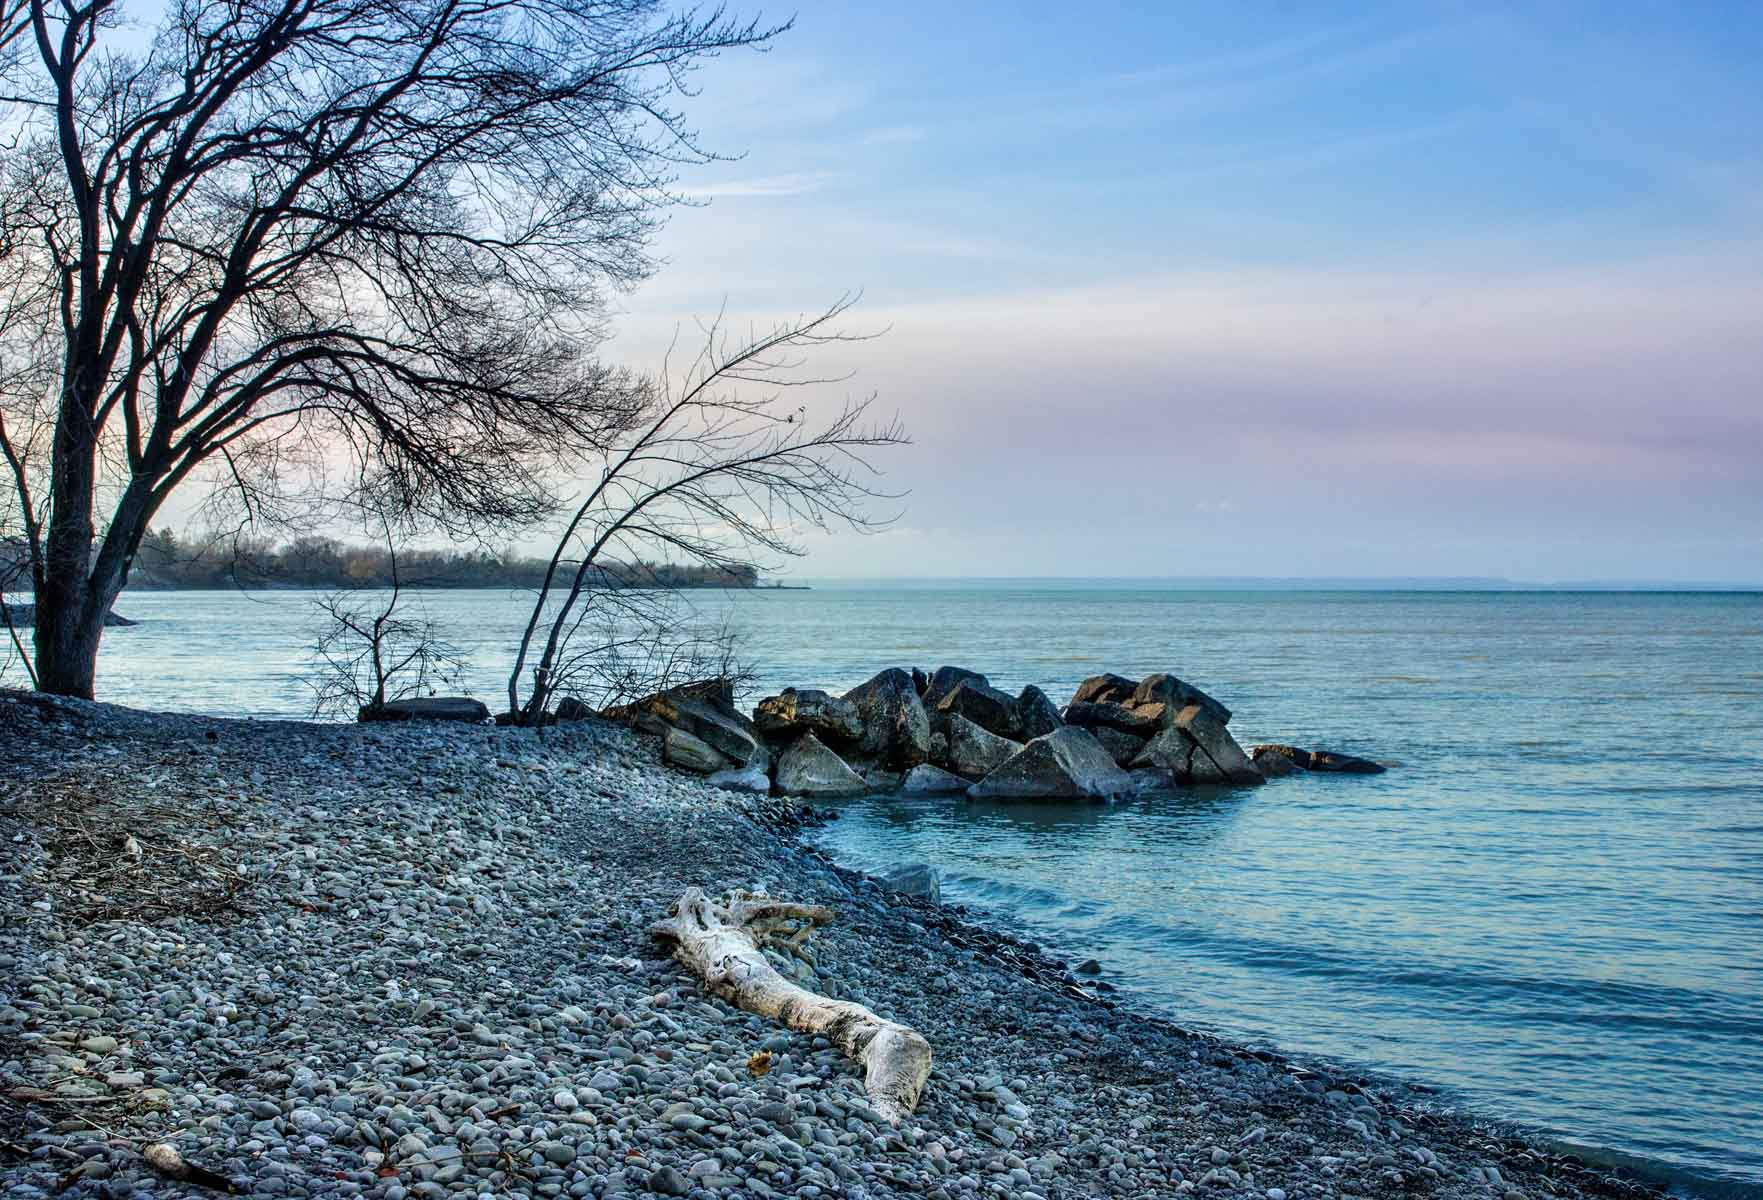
(950, 731)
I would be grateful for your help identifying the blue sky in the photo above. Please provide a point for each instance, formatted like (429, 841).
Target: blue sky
(1280, 289)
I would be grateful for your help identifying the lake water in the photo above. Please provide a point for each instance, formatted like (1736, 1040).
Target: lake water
(1552, 907)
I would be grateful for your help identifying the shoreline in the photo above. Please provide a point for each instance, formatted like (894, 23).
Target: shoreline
(590, 837)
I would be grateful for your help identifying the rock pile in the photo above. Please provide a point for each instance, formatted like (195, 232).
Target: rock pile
(952, 732)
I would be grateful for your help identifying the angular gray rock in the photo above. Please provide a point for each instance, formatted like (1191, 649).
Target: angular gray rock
(1210, 735)
(1121, 747)
(1165, 688)
(944, 680)
(981, 703)
(754, 778)
(1277, 761)
(895, 725)
(1089, 713)
(1105, 689)
(975, 752)
(1197, 749)
(795, 711)
(1035, 713)
(808, 768)
(724, 730)
(429, 708)
(928, 780)
(681, 749)
(1067, 764)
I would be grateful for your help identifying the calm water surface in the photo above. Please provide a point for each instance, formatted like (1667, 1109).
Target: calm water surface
(1553, 907)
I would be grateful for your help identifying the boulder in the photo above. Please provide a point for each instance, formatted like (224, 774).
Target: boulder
(808, 768)
(939, 748)
(707, 719)
(572, 708)
(1090, 713)
(681, 749)
(976, 752)
(880, 779)
(1347, 764)
(1275, 759)
(1164, 688)
(428, 708)
(1121, 747)
(920, 681)
(1067, 764)
(895, 726)
(1214, 740)
(1105, 689)
(914, 879)
(753, 778)
(1035, 714)
(926, 780)
(944, 680)
(1197, 749)
(796, 711)
(981, 703)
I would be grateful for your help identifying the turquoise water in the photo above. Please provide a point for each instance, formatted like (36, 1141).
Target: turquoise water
(1552, 907)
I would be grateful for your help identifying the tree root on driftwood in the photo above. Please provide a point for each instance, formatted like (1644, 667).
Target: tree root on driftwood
(720, 943)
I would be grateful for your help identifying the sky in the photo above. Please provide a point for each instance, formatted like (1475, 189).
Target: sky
(1171, 289)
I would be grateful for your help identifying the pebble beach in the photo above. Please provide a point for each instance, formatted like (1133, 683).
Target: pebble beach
(415, 961)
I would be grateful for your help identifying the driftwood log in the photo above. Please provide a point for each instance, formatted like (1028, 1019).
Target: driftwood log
(720, 942)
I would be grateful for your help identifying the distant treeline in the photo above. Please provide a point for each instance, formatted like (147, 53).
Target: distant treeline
(167, 562)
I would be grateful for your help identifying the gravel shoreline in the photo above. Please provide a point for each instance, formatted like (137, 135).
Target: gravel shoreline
(414, 961)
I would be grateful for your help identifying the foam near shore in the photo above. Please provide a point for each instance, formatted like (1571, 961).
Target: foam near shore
(414, 961)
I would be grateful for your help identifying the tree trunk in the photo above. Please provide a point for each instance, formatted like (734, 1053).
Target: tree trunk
(70, 610)
(720, 944)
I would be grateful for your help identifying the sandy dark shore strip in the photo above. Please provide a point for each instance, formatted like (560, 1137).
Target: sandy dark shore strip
(413, 961)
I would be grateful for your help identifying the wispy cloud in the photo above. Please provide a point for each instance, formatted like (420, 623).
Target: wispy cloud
(796, 184)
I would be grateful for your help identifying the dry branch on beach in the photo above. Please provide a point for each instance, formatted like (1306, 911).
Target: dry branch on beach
(720, 943)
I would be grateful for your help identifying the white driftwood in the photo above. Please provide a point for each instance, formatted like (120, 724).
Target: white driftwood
(719, 943)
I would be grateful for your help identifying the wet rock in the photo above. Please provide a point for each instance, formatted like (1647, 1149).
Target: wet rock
(1121, 747)
(984, 705)
(1214, 740)
(915, 879)
(808, 768)
(1035, 713)
(1275, 759)
(1067, 764)
(928, 780)
(975, 752)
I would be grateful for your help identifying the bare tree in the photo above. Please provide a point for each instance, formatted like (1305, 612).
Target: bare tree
(715, 467)
(369, 653)
(299, 248)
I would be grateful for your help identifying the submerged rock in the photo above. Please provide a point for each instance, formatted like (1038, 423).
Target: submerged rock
(915, 879)
(928, 780)
(808, 768)
(1277, 759)
(1067, 764)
